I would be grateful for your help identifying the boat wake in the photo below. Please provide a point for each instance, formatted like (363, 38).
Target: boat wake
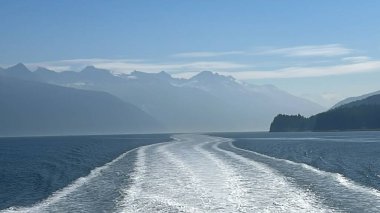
(198, 173)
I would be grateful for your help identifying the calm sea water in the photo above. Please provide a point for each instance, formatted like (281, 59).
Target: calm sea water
(224, 172)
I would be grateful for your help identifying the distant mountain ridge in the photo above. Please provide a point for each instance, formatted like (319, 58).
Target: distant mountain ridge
(352, 99)
(357, 115)
(19, 71)
(370, 100)
(206, 102)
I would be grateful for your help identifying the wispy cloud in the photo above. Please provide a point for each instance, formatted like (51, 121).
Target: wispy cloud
(356, 59)
(302, 72)
(207, 54)
(329, 50)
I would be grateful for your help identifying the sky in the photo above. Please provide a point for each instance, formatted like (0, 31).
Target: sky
(321, 50)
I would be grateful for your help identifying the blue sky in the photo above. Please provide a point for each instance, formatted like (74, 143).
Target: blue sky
(322, 50)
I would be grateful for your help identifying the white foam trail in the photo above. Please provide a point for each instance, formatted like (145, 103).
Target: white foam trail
(140, 168)
(303, 199)
(198, 186)
(138, 197)
(238, 193)
(194, 175)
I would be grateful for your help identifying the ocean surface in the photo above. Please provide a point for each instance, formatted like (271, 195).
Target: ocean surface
(219, 172)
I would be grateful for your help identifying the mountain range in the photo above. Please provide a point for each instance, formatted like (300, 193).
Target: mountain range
(206, 102)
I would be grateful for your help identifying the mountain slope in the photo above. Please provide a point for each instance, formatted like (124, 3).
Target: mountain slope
(369, 100)
(358, 115)
(34, 108)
